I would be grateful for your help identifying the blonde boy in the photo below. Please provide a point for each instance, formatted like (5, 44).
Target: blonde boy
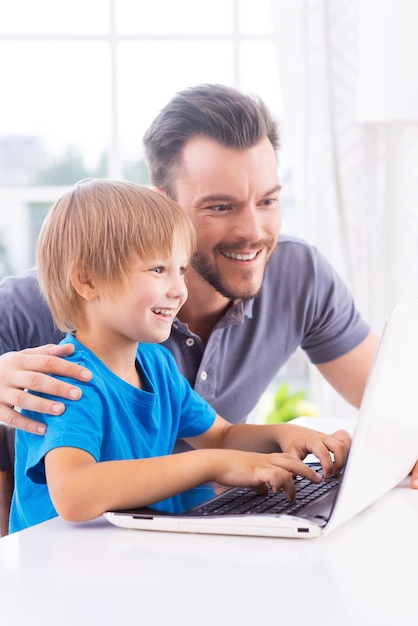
(112, 258)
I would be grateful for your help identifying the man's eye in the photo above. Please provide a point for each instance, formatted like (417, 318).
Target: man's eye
(270, 201)
(219, 208)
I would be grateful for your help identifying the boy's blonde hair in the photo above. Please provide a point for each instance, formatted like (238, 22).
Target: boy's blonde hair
(102, 226)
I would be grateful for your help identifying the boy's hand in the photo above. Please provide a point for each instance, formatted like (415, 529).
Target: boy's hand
(29, 370)
(300, 441)
(259, 471)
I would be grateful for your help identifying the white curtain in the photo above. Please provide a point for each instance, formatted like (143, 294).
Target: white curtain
(349, 73)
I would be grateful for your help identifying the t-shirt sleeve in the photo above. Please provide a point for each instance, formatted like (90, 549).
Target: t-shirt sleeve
(334, 324)
(78, 427)
(25, 319)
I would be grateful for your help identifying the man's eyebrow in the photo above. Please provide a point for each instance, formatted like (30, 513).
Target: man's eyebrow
(217, 198)
(225, 198)
(275, 189)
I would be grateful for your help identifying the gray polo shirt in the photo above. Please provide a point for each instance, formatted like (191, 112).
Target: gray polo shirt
(303, 303)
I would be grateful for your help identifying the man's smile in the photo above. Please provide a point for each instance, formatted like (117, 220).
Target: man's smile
(241, 256)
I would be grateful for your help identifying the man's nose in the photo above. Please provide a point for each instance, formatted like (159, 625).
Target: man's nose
(248, 224)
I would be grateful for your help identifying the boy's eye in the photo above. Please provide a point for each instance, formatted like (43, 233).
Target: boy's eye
(157, 270)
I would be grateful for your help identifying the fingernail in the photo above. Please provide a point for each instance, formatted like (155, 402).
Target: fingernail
(41, 430)
(74, 394)
(85, 374)
(415, 483)
(57, 408)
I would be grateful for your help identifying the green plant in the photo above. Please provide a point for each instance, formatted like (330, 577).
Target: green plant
(288, 405)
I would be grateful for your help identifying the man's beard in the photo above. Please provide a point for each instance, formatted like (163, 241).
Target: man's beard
(210, 273)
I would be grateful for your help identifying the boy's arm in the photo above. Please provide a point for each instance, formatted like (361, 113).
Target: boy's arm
(83, 489)
(290, 438)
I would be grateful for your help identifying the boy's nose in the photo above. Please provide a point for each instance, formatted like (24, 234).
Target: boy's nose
(178, 288)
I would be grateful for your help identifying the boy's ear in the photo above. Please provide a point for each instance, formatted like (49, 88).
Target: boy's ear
(84, 284)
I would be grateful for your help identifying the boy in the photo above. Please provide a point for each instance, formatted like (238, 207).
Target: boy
(112, 258)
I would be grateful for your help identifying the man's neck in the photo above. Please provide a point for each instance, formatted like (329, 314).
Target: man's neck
(204, 307)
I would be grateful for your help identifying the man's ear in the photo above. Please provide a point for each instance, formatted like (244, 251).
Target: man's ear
(159, 191)
(84, 284)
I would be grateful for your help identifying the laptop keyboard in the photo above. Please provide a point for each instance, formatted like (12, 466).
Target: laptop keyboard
(239, 501)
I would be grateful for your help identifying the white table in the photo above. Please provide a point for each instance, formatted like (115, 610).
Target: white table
(363, 573)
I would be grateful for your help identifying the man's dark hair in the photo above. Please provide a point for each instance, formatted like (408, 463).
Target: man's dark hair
(224, 114)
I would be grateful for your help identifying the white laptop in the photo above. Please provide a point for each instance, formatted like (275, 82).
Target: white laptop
(383, 452)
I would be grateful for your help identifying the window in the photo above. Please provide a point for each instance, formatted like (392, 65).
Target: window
(82, 81)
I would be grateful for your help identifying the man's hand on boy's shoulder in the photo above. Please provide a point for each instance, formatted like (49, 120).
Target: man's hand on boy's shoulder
(30, 370)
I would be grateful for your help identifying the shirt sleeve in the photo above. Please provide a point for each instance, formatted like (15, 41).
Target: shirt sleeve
(25, 319)
(65, 430)
(334, 324)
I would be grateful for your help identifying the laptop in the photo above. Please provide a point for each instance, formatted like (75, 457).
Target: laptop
(383, 451)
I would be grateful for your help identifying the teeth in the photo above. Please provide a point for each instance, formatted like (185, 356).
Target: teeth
(240, 257)
(165, 312)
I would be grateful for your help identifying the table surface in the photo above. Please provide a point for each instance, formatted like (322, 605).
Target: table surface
(364, 572)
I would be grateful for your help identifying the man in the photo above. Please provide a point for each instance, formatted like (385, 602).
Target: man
(253, 297)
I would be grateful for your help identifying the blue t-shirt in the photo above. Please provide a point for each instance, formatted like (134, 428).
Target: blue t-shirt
(113, 420)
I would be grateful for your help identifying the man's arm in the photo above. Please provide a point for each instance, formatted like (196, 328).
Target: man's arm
(348, 374)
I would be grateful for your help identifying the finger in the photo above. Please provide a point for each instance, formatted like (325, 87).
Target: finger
(15, 384)
(325, 459)
(261, 488)
(318, 447)
(50, 386)
(295, 467)
(51, 348)
(332, 453)
(50, 364)
(344, 437)
(18, 378)
(339, 444)
(277, 478)
(414, 476)
(288, 486)
(16, 420)
(283, 479)
(309, 473)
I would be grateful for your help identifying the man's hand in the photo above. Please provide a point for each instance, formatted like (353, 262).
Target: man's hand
(28, 370)
(414, 476)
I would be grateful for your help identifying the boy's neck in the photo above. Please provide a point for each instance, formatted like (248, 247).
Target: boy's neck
(121, 360)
